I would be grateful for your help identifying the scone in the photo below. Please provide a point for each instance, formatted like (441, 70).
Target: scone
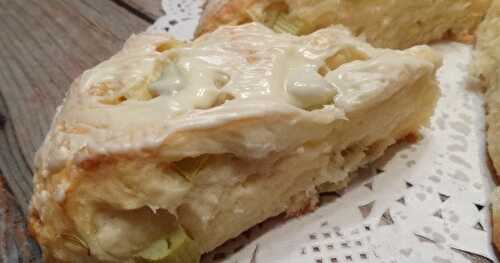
(487, 68)
(384, 23)
(169, 149)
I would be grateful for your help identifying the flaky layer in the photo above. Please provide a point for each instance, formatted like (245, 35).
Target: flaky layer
(111, 206)
(389, 24)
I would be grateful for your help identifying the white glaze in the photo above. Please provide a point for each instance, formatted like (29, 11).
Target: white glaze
(266, 74)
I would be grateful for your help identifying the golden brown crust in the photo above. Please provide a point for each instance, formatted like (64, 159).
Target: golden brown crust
(457, 22)
(224, 12)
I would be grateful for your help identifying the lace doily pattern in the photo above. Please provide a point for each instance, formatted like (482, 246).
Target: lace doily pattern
(180, 19)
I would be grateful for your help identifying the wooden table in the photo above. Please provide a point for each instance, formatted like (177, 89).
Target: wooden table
(44, 45)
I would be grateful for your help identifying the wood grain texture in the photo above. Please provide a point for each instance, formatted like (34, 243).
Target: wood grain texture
(15, 245)
(44, 45)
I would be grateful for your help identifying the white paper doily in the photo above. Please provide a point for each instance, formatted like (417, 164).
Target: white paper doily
(425, 202)
(180, 19)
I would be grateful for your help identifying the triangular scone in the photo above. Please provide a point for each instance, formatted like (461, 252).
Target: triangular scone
(487, 68)
(171, 143)
(384, 23)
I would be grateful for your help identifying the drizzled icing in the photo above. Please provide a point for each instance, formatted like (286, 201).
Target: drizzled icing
(140, 96)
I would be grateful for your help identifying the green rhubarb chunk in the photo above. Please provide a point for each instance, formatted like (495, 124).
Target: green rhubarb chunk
(330, 187)
(177, 247)
(285, 24)
(190, 167)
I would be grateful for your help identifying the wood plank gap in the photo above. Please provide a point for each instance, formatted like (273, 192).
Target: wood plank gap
(142, 15)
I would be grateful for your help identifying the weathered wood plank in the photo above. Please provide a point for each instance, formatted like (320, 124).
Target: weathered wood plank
(44, 45)
(15, 245)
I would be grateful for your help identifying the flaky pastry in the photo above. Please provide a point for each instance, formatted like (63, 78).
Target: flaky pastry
(169, 149)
